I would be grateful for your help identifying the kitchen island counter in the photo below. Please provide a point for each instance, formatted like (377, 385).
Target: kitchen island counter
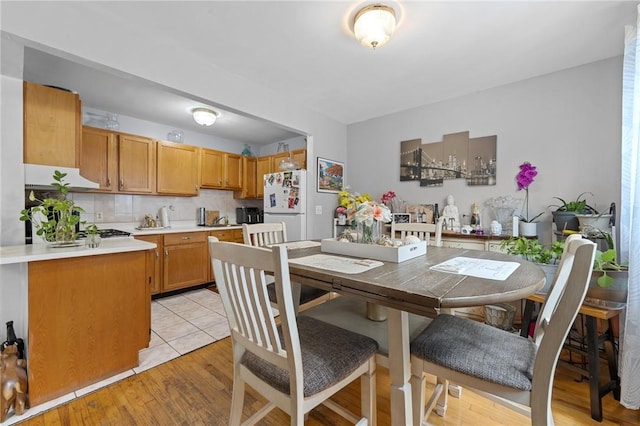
(36, 252)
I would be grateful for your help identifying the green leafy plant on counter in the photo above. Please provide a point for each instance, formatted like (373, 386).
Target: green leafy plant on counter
(531, 249)
(54, 219)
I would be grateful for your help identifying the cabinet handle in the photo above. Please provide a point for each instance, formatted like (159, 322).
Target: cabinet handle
(186, 238)
(196, 187)
(121, 183)
(220, 182)
(166, 253)
(157, 254)
(108, 183)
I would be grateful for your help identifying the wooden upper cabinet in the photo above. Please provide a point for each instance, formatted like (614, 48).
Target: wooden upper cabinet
(99, 159)
(52, 126)
(233, 171)
(249, 179)
(220, 170)
(177, 169)
(300, 155)
(211, 169)
(263, 166)
(137, 164)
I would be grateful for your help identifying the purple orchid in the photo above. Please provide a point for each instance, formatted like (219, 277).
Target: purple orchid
(525, 177)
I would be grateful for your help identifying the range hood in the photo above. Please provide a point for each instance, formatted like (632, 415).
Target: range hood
(37, 176)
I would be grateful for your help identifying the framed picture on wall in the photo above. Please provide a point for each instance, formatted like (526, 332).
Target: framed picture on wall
(330, 175)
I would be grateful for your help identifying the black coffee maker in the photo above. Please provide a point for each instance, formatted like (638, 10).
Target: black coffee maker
(248, 215)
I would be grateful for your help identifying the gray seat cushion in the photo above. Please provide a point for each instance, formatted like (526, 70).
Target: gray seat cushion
(477, 350)
(329, 354)
(307, 293)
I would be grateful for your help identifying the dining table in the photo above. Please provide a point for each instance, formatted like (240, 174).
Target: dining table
(416, 286)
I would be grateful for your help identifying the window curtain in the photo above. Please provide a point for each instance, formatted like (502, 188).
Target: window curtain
(630, 218)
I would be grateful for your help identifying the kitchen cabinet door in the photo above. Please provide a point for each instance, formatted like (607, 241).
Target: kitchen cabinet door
(99, 159)
(211, 168)
(156, 261)
(249, 180)
(186, 259)
(220, 170)
(136, 164)
(233, 171)
(263, 167)
(177, 169)
(52, 126)
(300, 155)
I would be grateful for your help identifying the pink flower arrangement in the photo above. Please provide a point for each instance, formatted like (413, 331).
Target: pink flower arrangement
(388, 196)
(341, 210)
(524, 178)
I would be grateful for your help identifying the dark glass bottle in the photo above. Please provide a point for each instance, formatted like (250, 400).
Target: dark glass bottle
(436, 213)
(13, 340)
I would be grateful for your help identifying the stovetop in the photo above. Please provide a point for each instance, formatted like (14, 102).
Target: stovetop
(107, 233)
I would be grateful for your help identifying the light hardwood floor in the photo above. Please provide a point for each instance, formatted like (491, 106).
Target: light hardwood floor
(195, 389)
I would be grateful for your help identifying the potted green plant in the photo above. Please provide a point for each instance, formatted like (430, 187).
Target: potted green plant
(565, 214)
(54, 218)
(531, 250)
(93, 236)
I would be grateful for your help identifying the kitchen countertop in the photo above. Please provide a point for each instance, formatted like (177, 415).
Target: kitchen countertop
(35, 252)
(173, 229)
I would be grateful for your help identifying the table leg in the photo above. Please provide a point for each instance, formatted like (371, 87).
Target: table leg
(612, 358)
(399, 366)
(594, 368)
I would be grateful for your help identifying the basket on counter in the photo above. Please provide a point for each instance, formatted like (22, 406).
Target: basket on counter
(500, 315)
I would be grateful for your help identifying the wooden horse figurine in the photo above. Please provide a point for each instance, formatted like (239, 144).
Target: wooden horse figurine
(13, 382)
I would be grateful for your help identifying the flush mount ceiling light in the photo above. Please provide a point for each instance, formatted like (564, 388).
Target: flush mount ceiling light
(374, 25)
(204, 116)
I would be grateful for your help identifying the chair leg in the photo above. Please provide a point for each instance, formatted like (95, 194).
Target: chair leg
(237, 400)
(418, 382)
(368, 394)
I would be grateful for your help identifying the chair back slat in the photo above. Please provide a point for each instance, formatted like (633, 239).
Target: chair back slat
(242, 274)
(421, 230)
(264, 234)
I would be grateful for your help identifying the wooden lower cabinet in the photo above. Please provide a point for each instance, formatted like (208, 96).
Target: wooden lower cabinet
(186, 260)
(155, 260)
(88, 318)
(231, 235)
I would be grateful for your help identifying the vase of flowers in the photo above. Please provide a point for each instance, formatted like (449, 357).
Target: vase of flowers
(366, 214)
(369, 217)
(524, 179)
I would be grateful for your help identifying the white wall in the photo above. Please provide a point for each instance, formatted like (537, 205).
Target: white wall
(566, 123)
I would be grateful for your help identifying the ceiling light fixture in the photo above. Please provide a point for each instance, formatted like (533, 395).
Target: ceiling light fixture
(374, 25)
(204, 116)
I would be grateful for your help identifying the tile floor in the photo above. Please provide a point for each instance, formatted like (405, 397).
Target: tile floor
(179, 324)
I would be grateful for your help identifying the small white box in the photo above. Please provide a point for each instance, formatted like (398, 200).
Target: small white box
(373, 251)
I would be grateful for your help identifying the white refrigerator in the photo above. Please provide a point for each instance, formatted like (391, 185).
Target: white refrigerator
(285, 201)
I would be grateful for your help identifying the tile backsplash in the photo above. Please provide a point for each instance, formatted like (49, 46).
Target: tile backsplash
(132, 208)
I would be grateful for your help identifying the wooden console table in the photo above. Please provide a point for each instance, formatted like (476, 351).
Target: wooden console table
(593, 341)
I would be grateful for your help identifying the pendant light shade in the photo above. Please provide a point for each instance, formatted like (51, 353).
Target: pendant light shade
(374, 25)
(204, 116)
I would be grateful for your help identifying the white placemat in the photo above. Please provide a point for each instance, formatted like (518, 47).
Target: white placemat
(337, 263)
(297, 244)
(481, 268)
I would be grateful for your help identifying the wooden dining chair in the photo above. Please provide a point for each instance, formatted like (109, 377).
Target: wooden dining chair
(267, 234)
(297, 364)
(264, 234)
(421, 230)
(509, 369)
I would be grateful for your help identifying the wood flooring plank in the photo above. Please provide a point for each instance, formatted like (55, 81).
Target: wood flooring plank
(195, 389)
